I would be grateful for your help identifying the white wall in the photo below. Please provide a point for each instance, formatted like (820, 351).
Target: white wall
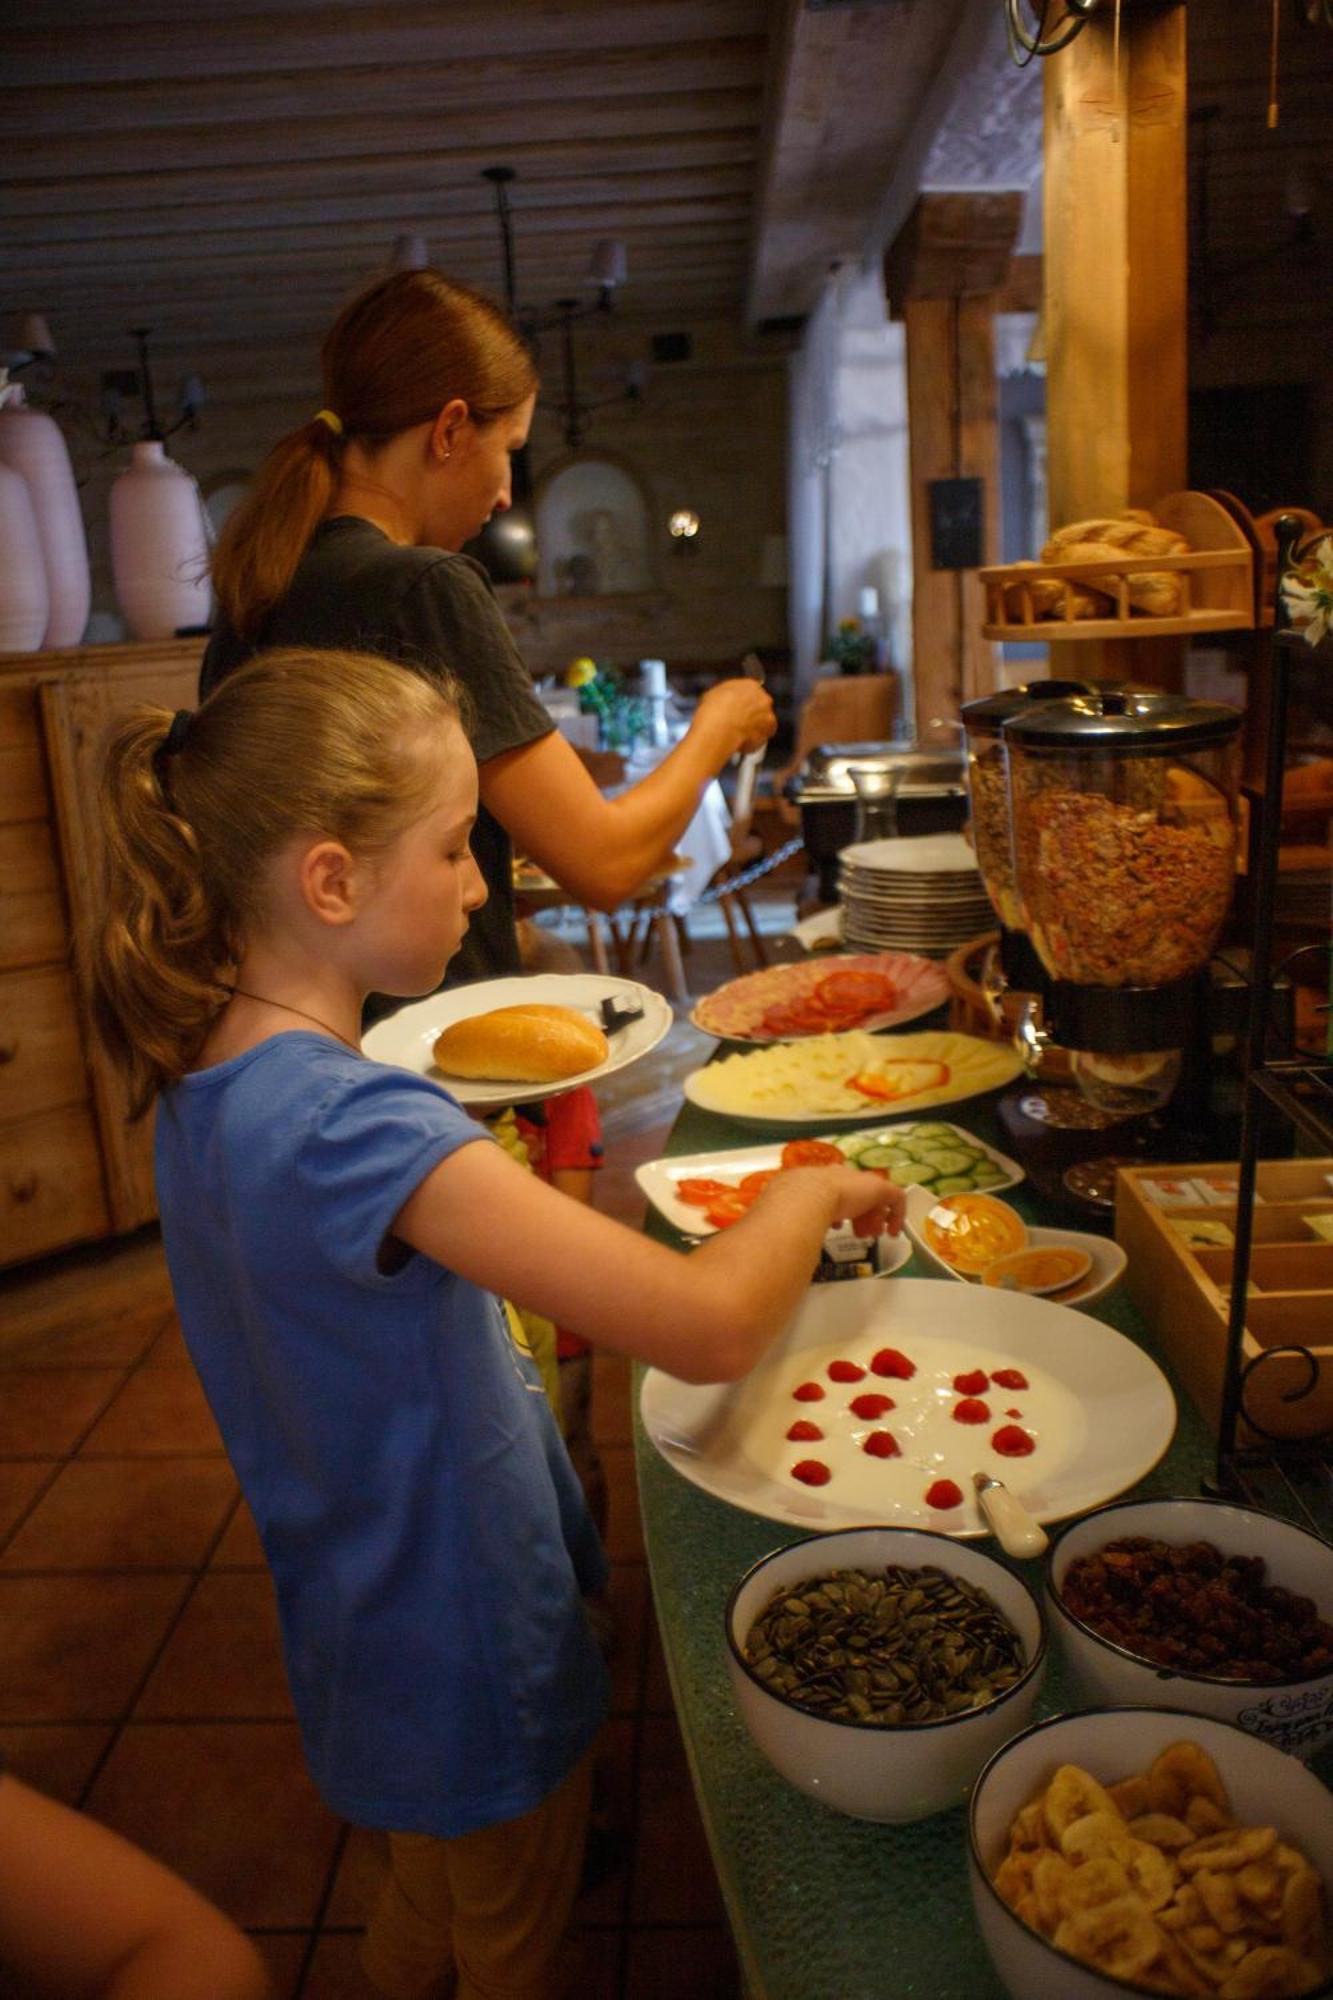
(848, 509)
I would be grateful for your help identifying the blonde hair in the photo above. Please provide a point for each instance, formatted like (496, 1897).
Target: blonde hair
(295, 741)
(393, 358)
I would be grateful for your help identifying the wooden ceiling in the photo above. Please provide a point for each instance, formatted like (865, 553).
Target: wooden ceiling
(230, 174)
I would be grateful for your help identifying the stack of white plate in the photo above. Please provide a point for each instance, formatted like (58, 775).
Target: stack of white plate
(923, 894)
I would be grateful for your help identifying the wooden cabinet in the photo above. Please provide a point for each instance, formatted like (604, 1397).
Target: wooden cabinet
(71, 1166)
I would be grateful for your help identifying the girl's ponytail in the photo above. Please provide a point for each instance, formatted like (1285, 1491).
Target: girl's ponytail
(153, 966)
(263, 539)
(195, 807)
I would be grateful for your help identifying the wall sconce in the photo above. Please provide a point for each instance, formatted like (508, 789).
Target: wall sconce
(683, 528)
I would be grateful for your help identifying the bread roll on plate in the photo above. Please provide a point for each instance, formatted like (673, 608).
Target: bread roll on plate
(531, 1044)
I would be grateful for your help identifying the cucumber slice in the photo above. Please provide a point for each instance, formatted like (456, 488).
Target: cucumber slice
(936, 1131)
(989, 1176)
(879, 1156)
(954, 1184)
(949, 1160)
(911, 1173)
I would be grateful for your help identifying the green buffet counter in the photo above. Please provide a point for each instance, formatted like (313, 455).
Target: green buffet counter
(823, 1907)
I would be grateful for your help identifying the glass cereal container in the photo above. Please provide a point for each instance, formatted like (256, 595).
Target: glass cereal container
(1124, 816)
(988, 786)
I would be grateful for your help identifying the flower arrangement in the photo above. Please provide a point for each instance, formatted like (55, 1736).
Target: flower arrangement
(852, 648)
(622, 718)
(1307, 591)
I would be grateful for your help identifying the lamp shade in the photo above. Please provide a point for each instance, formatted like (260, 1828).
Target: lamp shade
(409, 252)
(610, 265)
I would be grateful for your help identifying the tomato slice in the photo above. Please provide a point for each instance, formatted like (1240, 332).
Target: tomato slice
(756, 1183)
(728, 1208)
(698, 1193)
(865, 992)
(812, 1153)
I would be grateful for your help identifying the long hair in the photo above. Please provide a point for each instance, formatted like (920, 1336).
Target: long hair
(393, 358)
(295, 741)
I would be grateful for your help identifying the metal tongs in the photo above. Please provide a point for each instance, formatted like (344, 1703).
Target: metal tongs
(617, 1013)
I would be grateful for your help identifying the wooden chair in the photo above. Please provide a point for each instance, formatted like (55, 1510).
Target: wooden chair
(845, 708)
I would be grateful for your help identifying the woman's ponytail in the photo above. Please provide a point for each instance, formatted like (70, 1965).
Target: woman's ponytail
(263, 539)
(154, 964)
(395, 355)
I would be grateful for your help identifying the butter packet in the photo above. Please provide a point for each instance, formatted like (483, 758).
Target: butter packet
(1202, 1233)
(844, 1254)
(1170, 1191)
(1221, 1190)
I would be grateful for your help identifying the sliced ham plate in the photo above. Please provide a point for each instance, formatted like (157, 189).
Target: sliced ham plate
(735, 1012)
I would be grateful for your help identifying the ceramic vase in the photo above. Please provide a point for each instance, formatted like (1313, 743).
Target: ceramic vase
(25, 603)
(159, 545)
(32, 445)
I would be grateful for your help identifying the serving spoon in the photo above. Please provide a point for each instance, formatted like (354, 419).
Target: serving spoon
(1008, 1519)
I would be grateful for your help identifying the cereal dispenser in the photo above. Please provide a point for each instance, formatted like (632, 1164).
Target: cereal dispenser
(1123, 816)
(988, 789)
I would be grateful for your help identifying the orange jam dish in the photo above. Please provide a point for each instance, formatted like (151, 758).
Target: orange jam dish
(969, 1232)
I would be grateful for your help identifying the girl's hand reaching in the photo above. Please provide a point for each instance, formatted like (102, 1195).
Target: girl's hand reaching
(847, 1194)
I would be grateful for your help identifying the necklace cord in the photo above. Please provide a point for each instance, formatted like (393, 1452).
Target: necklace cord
(242, 993)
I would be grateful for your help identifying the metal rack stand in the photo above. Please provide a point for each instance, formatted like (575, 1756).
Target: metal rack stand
(1293, 1477)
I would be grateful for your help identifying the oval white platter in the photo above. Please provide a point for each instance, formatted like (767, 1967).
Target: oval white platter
(1100, 1409)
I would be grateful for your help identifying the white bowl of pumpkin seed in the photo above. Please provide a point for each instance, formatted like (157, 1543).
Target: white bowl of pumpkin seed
(878, 1669)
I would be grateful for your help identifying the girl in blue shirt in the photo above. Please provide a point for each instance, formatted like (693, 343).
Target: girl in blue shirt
(338, 1234)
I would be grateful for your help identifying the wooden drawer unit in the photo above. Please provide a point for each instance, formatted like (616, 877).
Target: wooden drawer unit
(51, 1190)
(42, 1063)
(33, 928)
(24, 791)
(71, 1166)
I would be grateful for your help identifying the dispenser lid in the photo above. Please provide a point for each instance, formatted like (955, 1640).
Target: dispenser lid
(992, 709)
(1118, 718)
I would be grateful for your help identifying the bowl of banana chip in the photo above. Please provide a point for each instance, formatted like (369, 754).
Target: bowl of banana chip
(1146, 1851)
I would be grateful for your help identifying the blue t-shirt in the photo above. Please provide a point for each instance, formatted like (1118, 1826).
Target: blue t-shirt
(428, 1538)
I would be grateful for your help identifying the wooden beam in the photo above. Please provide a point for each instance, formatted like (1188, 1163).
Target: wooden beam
(1115, 290)
(943, 273)
(1115, 234)
(952, 434)
(952, 245)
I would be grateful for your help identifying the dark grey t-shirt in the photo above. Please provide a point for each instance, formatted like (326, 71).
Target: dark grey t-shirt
(355, 589)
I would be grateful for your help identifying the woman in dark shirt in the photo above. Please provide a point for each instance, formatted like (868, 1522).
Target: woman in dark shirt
(350, 539)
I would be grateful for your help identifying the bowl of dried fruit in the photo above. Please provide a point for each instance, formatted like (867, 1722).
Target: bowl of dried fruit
(1140, 1850)
(878, 1668)
(1201, 1605)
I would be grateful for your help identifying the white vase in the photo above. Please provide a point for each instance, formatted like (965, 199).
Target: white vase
(32, 444)
(159, 545)
(25, 602)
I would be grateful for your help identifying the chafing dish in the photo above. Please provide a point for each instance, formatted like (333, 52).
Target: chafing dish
(854, 791)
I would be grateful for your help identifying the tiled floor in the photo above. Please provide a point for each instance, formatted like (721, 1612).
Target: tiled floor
(139, 1666)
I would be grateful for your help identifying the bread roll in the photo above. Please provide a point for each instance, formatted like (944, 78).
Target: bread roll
(528, 1044)
(1046, 595)
(1156, 593)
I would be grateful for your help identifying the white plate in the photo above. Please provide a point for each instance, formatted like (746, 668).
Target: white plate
(407, 1037)
(660, 1178)
(1101, 1410)
(926, 854)
(1108, 1259)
